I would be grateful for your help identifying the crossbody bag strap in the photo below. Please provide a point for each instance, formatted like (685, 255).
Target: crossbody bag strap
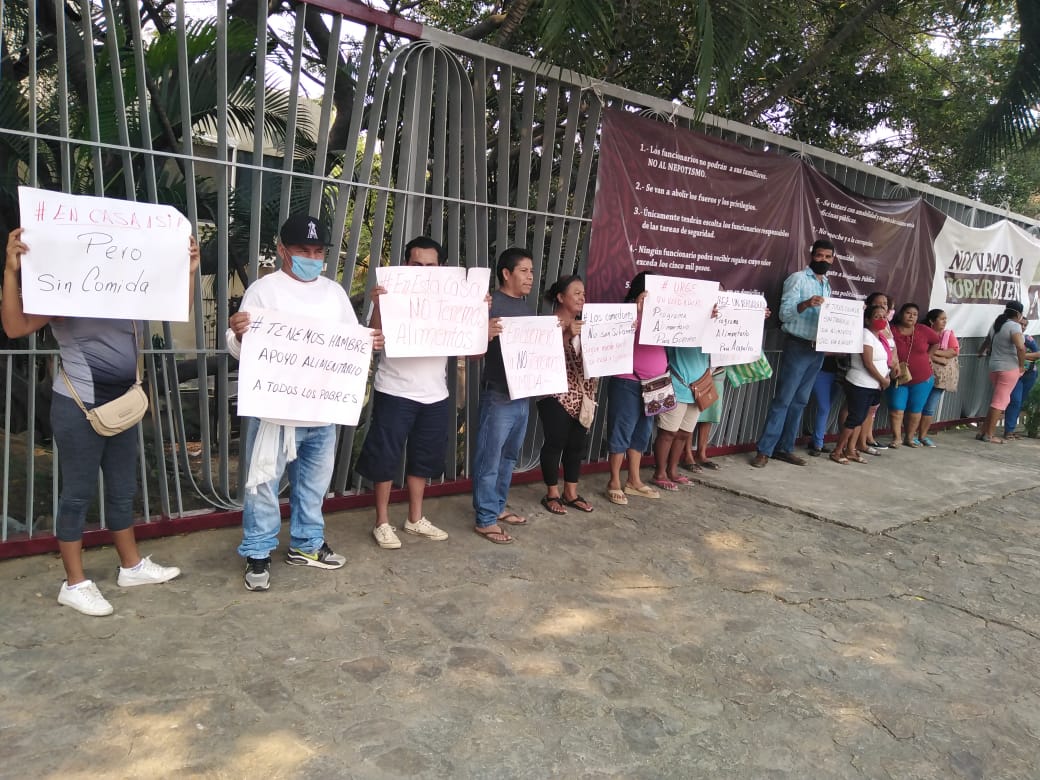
(75, 395)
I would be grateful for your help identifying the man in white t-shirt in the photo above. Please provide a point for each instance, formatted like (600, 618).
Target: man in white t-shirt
(298, 287)
(411, 412)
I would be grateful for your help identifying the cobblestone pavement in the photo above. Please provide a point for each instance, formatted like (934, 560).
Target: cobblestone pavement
(831, 621)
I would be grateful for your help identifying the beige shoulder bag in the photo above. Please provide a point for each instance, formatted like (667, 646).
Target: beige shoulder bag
(119, 414)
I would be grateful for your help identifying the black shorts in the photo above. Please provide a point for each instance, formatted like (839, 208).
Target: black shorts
(396, 421)
(858, 400)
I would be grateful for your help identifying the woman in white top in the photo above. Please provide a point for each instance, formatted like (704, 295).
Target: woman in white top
(868, 375)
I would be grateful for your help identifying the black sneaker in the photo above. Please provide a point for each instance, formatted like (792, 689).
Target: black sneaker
(322, 558)
(258, 573)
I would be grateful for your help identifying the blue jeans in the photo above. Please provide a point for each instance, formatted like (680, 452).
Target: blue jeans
(1018, 397)
(309, 478)
(931, 406)
(799, 366)
(821, 394)
(500, 433)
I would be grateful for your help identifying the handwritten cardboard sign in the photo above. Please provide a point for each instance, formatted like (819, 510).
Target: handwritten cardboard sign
(841, 326)
(735, 336)
(606, 338)
(430, 311)
(532, 351)
(676, 311)
(102, 257)
(300, 368)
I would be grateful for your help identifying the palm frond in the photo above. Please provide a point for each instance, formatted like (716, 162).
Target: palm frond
(1014, 120)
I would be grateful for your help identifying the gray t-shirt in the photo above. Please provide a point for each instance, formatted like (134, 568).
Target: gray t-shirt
(1003, 356)
(502, 305)
(98, 354)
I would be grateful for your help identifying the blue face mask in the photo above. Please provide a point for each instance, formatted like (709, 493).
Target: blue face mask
(305, 269)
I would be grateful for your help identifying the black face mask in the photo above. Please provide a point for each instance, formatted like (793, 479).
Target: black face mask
(819, 267)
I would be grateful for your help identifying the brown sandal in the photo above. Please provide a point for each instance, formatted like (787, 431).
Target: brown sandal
(495, 537)
(840, 459)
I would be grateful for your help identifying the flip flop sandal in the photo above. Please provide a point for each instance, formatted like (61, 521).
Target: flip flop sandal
(709, 464)
(693, 468)
(554, 504)
(646, 491)
(507, 519)
(502, 536)
(664, 484)
(617, 496)
(841, 460)
(681, 480)
(577, 504)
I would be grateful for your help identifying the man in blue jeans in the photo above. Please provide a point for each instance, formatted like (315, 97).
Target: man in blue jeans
(298, 287)
(804, 293)
(501, 420)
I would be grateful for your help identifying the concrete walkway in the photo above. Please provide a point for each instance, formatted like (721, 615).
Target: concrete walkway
(830, 621)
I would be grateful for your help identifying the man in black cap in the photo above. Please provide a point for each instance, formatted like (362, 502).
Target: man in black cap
(298, 287)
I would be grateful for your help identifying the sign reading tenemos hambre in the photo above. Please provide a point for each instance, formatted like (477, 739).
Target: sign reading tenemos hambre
(103, 257)
(977, 270)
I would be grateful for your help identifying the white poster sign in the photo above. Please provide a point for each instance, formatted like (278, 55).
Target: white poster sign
(431, 311)
(606, 338)
(977, 270)
(841, 326)
(676, 311)
(299, 368)
(101, 257)
(532, 351)
(735, 336)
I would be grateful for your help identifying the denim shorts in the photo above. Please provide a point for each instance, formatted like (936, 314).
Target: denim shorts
(396, 421)
(909, 398)
(627, 427)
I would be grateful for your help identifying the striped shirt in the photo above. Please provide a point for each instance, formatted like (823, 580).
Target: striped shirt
(801, 286)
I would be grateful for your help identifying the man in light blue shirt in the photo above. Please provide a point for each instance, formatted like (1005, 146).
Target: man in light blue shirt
(804, 293)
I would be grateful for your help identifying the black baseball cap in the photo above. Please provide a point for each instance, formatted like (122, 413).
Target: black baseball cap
(304, 230)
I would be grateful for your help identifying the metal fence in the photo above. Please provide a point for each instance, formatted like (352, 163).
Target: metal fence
(407, 130)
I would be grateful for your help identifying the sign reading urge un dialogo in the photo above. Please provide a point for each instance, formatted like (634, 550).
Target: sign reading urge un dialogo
(102, 257)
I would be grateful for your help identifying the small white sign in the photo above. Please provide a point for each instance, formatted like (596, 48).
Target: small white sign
(676, 311)
(606, 338)
(433, 311)
(841, 326)
(299, 368)
(735, 336)
(532, 352)
(102, 257)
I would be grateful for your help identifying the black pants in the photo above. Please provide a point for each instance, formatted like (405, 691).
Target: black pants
(564, 438)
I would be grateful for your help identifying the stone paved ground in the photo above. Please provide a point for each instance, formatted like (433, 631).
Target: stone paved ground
(710, 634)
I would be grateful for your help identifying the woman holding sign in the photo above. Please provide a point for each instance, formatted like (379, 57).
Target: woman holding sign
(566, 417)
(99, 365)
(868, 374)
(628, 426)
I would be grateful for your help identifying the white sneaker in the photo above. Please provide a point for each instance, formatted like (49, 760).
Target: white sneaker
(84, 597)
(146, 573)
(425, 529)
(385, 537)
